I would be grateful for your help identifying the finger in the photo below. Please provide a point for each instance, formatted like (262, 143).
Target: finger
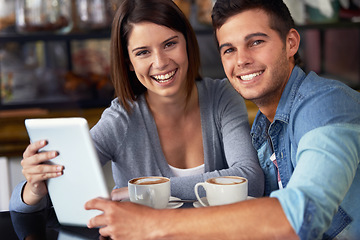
(104, 231)
(33, 148)
(43, 169)
(39, 177)
(39, 158)
(120, 194)
(96, 203)
(97, 221)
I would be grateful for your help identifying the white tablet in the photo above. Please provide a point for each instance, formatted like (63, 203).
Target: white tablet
(83, 175)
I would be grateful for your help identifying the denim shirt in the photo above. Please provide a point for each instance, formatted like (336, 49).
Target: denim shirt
(315, 136)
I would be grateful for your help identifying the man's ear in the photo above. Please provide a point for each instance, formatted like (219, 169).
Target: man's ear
(292, 42)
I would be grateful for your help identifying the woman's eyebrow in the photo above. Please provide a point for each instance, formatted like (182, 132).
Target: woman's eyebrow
(144, 47)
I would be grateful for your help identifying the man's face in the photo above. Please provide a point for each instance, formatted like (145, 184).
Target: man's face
(255, 58)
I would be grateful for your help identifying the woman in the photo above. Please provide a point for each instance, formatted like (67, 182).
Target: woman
(166, 120)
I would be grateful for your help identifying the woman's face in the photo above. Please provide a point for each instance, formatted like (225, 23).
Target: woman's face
(159, 58)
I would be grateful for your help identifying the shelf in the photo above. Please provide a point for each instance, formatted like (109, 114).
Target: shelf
(324, 26)
(11, 35)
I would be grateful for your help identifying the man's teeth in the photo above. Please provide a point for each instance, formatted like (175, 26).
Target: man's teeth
(165, 77)
(250, 76)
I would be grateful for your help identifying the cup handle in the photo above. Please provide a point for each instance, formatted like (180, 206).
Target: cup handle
(197, 193)
(151, 194)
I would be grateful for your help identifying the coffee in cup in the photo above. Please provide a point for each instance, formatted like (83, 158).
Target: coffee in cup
(150, 191)
(223, 190)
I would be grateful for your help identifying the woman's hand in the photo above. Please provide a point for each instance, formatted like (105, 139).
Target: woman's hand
(37, 172)
(119, 194)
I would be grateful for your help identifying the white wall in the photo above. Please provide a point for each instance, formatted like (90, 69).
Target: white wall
(5, 184)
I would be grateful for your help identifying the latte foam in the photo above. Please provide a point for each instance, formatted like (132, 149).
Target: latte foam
(226, 180)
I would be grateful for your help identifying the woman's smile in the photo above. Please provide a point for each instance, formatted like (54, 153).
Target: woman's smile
(164, 78)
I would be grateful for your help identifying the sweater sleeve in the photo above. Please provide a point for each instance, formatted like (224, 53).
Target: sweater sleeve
(17, 204)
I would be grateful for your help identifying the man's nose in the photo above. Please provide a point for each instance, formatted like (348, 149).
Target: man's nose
(243, 57)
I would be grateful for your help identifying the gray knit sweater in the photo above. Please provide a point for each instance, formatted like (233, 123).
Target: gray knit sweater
(132, 143)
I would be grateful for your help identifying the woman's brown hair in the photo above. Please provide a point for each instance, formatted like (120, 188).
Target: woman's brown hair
(161, 12)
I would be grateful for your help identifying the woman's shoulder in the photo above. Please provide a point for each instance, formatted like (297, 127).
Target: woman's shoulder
(116, 116)
(116, 110)
(216, 87)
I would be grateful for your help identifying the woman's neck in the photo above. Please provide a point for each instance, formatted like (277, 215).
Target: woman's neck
(175, 106)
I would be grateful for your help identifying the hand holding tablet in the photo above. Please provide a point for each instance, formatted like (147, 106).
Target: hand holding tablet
(82, 177)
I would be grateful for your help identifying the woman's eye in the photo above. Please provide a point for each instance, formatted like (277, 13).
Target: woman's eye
(169, 44)
(140, 53)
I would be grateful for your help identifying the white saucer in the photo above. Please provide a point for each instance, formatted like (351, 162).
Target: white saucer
(169, 206)
(174, 204)
(197, 204)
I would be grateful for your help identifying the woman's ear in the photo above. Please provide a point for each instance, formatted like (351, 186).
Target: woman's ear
(131, 67)
(293, 42)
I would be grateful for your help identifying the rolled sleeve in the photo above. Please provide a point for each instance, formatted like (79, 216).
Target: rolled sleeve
(326, 164)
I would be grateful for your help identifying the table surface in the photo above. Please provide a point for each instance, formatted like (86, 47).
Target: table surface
(40, 225)
(44, 225)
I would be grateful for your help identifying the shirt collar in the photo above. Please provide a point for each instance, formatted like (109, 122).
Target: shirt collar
(289, 94)
(285, 104)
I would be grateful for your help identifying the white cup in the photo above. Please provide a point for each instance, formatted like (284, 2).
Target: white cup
(223, 190)
(150, 191)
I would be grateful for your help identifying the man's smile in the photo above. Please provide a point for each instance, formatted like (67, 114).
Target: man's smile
(249, 77)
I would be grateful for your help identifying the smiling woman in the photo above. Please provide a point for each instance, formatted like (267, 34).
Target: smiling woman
(159, 62)
(166, 120)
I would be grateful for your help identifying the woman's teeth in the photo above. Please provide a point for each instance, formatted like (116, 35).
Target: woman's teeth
(250, 76)
(165, 77)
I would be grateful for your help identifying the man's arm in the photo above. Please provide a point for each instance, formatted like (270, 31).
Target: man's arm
(254, 219)
(261, 218)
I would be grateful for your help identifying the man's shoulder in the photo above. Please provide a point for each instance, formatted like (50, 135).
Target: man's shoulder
(314, 85)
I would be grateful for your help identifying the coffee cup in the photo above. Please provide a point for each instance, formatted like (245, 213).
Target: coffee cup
(223, 190)
(150, 191)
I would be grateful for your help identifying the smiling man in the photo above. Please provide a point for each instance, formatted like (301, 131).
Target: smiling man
(307, 130)
(306, 133)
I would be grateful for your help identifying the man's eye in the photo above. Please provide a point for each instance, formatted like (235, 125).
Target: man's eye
(229, 50)
(257, 42)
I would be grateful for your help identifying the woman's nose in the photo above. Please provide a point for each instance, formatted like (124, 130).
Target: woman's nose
(161, 60)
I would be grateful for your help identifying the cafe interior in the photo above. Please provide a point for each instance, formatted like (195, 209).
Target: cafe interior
(54, 62)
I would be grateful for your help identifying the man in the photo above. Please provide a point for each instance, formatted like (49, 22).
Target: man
(307, 134)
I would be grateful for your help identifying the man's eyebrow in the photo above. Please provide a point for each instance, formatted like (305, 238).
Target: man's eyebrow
(257, 34)
(247, 38)
(224, 45)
